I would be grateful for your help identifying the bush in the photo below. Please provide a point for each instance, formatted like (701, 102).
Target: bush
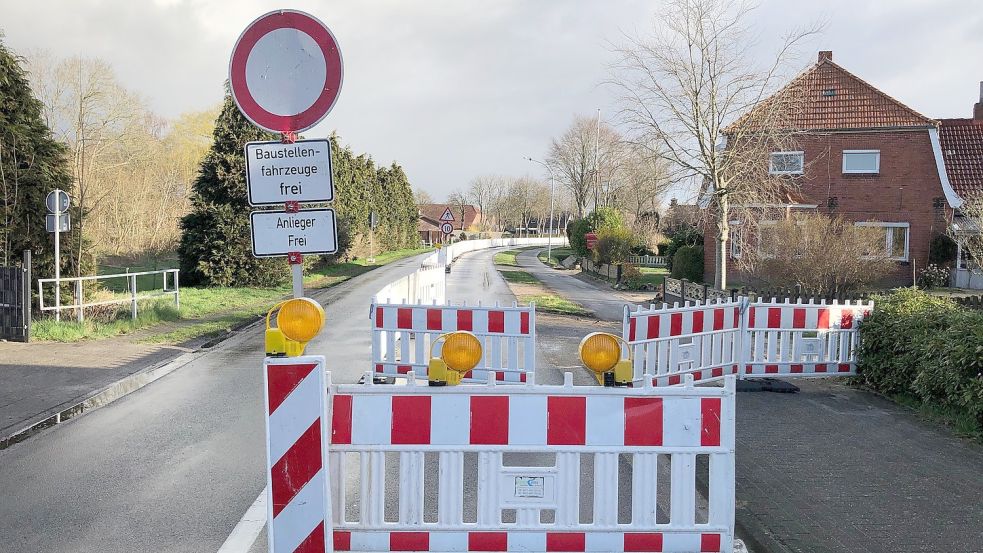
(575, 233)
(925, 347)
(942, 251)
(933, 276)
(631, 276)
(688, 263)
(614, 245)
(685, 236)
(605, 218)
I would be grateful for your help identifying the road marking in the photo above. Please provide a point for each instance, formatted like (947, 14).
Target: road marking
(248, 529)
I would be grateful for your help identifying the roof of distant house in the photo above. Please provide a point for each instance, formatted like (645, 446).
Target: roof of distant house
(432, 212)
(828, 97)
(962, 150)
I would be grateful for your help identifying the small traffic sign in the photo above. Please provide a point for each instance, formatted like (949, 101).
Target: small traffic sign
(277, 173)
(447, 228)
(447, 215)
(64, 221)
(591, 240)
(286, 71)
(309, 231)
(57, 201)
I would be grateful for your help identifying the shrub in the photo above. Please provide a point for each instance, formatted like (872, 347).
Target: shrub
(688, 263)
(614, 245)
(927, 348)
(605, 218)
(575, 233)
(942, 250)
(933, 276)
(684, 236)
(631, 276)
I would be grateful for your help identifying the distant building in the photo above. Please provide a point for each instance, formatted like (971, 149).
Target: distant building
(428, 225)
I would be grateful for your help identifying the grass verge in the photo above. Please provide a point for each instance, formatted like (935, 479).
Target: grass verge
(551, 303)
(507, 258)
(557, 255)
(519, 277)
(959, 422)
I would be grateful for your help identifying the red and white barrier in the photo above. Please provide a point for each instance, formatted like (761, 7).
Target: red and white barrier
(402, 335)
(296, 446)
(753, 339)
(527, 452)
(701, 340)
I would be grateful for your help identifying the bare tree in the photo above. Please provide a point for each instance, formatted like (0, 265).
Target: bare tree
(458, 201)
(643, 179)
(422, 197)
(968, 232)
(684, 89)
(586, 155)
(481, 193)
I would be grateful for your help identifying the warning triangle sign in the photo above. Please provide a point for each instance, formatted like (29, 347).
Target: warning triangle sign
(447, 216)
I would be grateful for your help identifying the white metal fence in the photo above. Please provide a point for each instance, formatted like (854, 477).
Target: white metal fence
(648, 260)
(132, 295)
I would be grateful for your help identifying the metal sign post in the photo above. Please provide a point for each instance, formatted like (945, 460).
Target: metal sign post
(57, 202)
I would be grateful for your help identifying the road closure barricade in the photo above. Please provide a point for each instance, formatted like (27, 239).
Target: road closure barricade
(504, 468)
(402, 335)
(753, 339)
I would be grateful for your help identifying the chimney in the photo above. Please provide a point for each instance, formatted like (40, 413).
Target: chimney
(825, 55)
(978, 108)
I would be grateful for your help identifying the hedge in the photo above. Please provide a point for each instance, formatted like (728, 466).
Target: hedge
(688, 263)
(928, 349)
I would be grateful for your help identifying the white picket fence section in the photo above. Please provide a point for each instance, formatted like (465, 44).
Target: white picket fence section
(753, 339)
(402, 335)
(648, 260)
(513, 464)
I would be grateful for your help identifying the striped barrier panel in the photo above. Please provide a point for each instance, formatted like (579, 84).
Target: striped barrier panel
(531, 468)
(670, 342)
(802, 339)
(402, 334)
(296, 447)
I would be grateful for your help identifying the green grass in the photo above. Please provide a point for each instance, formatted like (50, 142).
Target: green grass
(507, 258)
(149, 313)
(653, 275)
(557, 255)
(519, 277)
(551, 303)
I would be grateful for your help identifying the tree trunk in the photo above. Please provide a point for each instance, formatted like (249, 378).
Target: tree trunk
(723, 232)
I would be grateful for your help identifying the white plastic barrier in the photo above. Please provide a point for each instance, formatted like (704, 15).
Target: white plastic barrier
(754, 339)
(525, 454)
(402, 335)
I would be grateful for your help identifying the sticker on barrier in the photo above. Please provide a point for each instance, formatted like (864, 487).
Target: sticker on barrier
(402, 335)
(504, 468)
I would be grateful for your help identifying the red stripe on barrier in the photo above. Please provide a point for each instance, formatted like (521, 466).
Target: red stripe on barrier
(798, 318)
(823, 321)
(566, 420)
(643, 542)
(718, 319)
(296, 468)
(488, 541)
(675, 379)
(566, 541)
(632, 321)
(750, 317)
(409, 541)
(846, 319)
(464, 319)
(282, 379)
(342, 541)
(698, 321)
(698, 375)
(719, 371)
(500, 376)
(844, 367)
(496, 321)
(379, 368)
(522, 377)
(643, 421)
(403, 369)
(710, 417)
(524, 322)
(675, 324)
(820, 367)
(314, 543)
(404, 317)
(652, 327)
(735, 369)
(411, 420)
(379, 319)
(774, 317)
(341, 419)
(771, 369)
(489, 420)
(434, 319)
(709, 543)
(795, 369)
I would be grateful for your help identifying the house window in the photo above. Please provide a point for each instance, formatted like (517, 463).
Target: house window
(736, 240)
(861, 161)
(786, 163)
(895, 238)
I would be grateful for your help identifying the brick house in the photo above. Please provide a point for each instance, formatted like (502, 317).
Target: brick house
(866, 157)
(428, 225)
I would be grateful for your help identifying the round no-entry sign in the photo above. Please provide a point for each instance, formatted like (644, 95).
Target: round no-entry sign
(285, 71)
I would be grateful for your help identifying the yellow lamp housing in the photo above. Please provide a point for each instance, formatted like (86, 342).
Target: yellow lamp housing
(460, 353)
(601, 353)
(298, 321)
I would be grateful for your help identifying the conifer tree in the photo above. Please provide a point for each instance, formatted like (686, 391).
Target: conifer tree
(215, 244)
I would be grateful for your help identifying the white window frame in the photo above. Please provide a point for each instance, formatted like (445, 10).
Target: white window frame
(889, 237)
(877, 163)
(736, 239)
(771, 165)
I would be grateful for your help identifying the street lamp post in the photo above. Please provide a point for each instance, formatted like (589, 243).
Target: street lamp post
(549, 238)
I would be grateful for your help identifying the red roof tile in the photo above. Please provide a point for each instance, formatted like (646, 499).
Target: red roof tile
(432, 213)
(962, 150)
(828, 97)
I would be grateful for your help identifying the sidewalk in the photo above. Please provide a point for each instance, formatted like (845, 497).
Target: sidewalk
(834, 469)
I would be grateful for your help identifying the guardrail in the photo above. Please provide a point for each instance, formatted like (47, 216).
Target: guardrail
(133, 297)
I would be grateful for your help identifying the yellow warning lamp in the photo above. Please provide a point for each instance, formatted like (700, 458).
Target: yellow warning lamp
(460, 353)
(601, 353)
(298, 321)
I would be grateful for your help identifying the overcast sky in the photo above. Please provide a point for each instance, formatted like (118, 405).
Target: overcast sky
(452, 89)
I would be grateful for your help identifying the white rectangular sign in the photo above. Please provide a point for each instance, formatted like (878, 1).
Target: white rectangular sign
(277, 173)
(310, 231)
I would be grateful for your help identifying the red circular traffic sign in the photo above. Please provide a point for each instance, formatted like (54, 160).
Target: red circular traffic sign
(285, 71)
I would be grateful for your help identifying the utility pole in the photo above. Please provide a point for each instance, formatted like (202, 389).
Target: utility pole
(597, 170)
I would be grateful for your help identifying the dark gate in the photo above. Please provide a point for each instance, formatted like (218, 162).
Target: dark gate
(15, 303)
